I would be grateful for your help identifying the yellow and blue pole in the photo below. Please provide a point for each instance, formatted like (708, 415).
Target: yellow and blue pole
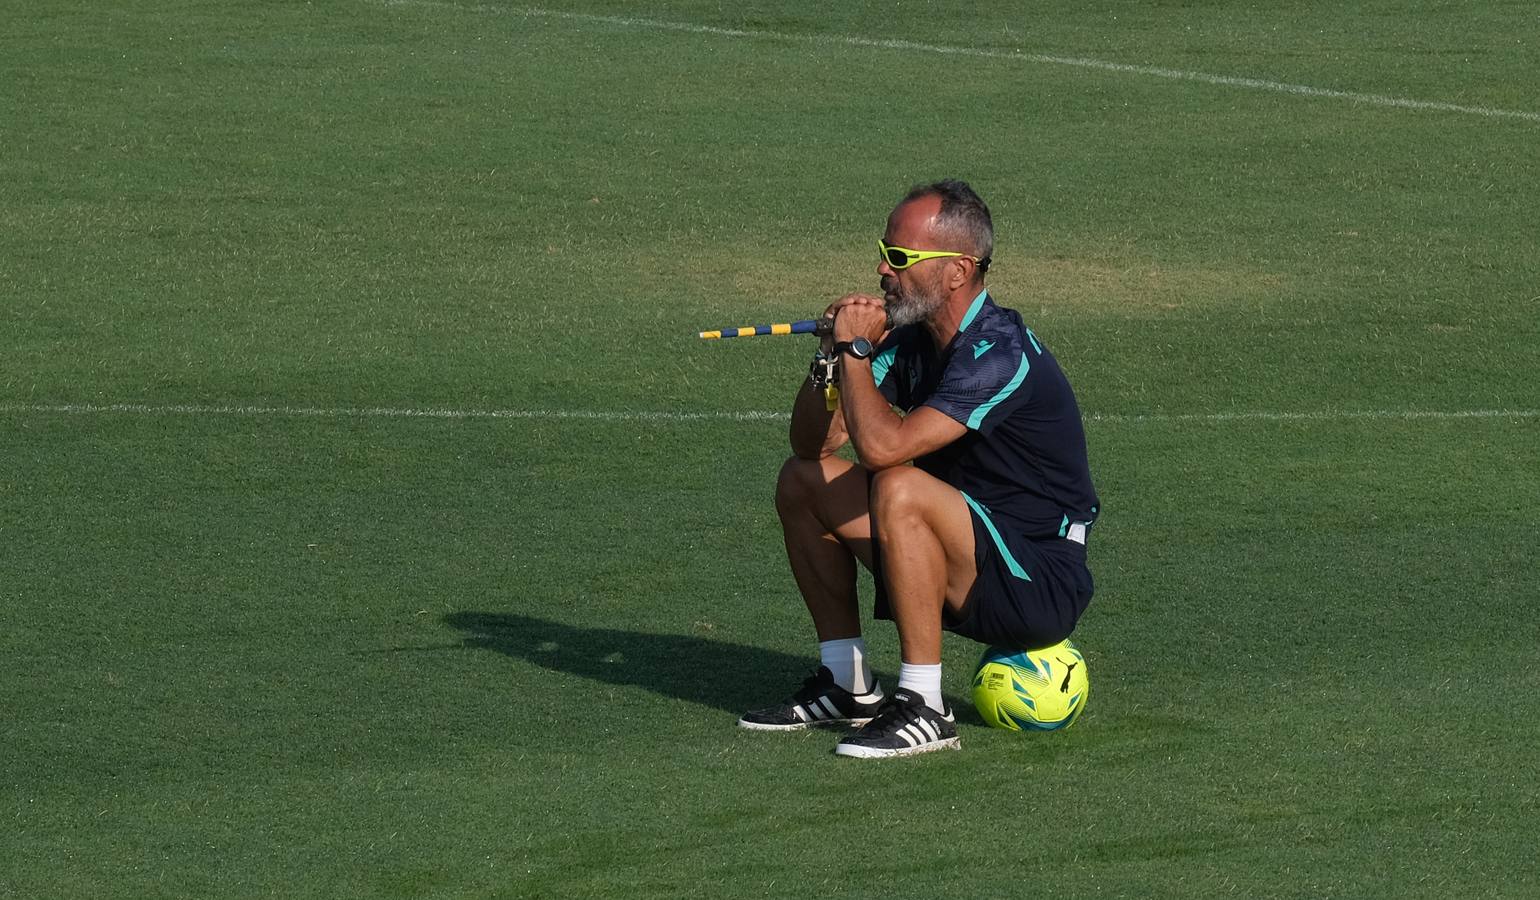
(831, 394)
(806, 326)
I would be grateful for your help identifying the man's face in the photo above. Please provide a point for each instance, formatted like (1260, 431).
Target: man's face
(914, 293)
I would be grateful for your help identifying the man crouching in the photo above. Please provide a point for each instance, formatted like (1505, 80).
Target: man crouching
(984, 535)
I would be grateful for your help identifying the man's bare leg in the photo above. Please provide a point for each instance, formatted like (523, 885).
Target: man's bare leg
(822, 505)
(926, 532)
(823, 508)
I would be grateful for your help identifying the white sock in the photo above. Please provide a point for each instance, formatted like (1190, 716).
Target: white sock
(846, 658)
(923, 680)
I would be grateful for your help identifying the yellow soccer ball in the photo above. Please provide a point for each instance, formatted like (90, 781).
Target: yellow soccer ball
(1031, 690)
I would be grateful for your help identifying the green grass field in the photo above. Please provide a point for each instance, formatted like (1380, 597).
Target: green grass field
(372, 523)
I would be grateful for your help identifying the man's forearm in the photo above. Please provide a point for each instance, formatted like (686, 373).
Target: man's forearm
(872, 423)
(816, 432)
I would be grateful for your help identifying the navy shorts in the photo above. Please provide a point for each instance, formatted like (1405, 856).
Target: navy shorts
(1028, 593)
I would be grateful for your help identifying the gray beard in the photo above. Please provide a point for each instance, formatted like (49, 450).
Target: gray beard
(912, 307)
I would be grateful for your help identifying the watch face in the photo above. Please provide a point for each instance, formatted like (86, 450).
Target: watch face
(861, 347)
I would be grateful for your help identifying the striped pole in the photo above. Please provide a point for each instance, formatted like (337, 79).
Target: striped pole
(806, 326)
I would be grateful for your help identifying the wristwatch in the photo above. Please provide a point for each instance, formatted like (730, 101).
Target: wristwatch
(860, 348)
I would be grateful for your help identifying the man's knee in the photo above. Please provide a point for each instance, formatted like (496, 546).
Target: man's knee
(798, 484)
(899, 493)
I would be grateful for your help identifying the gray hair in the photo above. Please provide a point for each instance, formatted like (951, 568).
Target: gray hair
(964, 216)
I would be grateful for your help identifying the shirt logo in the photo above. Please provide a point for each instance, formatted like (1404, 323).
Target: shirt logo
(981, 348)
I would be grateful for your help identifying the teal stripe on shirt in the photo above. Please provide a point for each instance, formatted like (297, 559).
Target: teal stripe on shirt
(1010, 388)
(973, 310)
(882, 362)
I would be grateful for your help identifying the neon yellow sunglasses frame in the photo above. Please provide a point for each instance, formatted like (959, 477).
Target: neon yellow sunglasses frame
(914, 256)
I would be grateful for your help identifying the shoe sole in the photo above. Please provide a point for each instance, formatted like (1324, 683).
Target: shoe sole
(803, 726)
(860, 752)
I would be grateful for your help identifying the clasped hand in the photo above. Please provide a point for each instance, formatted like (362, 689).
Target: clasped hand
(857, 315)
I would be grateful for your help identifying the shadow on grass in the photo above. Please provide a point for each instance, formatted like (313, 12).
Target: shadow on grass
(730, 677)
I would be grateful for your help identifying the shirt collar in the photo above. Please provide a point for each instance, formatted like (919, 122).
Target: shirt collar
(973, 310)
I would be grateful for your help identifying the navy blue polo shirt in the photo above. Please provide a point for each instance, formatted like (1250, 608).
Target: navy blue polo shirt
(1022, 464)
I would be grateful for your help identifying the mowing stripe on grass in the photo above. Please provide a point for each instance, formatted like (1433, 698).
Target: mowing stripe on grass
(383, 412)
(1258, 84)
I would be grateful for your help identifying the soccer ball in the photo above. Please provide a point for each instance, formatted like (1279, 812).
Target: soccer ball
(1031, 690)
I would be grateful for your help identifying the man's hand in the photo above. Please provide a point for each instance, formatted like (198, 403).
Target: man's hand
(882, 437)
(859, 315)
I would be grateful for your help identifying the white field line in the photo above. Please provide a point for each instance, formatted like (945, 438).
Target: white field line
(382, 412)
(751, 415)
(1257, 84)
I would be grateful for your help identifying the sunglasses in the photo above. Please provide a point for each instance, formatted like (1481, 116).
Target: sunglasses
(902, 257)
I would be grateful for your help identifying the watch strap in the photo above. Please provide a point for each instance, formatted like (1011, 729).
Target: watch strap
(844, 347)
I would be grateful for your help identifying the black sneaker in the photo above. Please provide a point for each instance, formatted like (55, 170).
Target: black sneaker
(904, 725)
(819, 702)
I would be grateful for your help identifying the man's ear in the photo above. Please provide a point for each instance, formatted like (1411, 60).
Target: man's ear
(963, 274)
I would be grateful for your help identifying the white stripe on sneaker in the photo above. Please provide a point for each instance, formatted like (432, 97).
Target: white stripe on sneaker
(929, 729)
(834, 712)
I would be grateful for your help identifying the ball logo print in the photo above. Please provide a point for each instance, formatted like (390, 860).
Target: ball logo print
(1031, 690)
